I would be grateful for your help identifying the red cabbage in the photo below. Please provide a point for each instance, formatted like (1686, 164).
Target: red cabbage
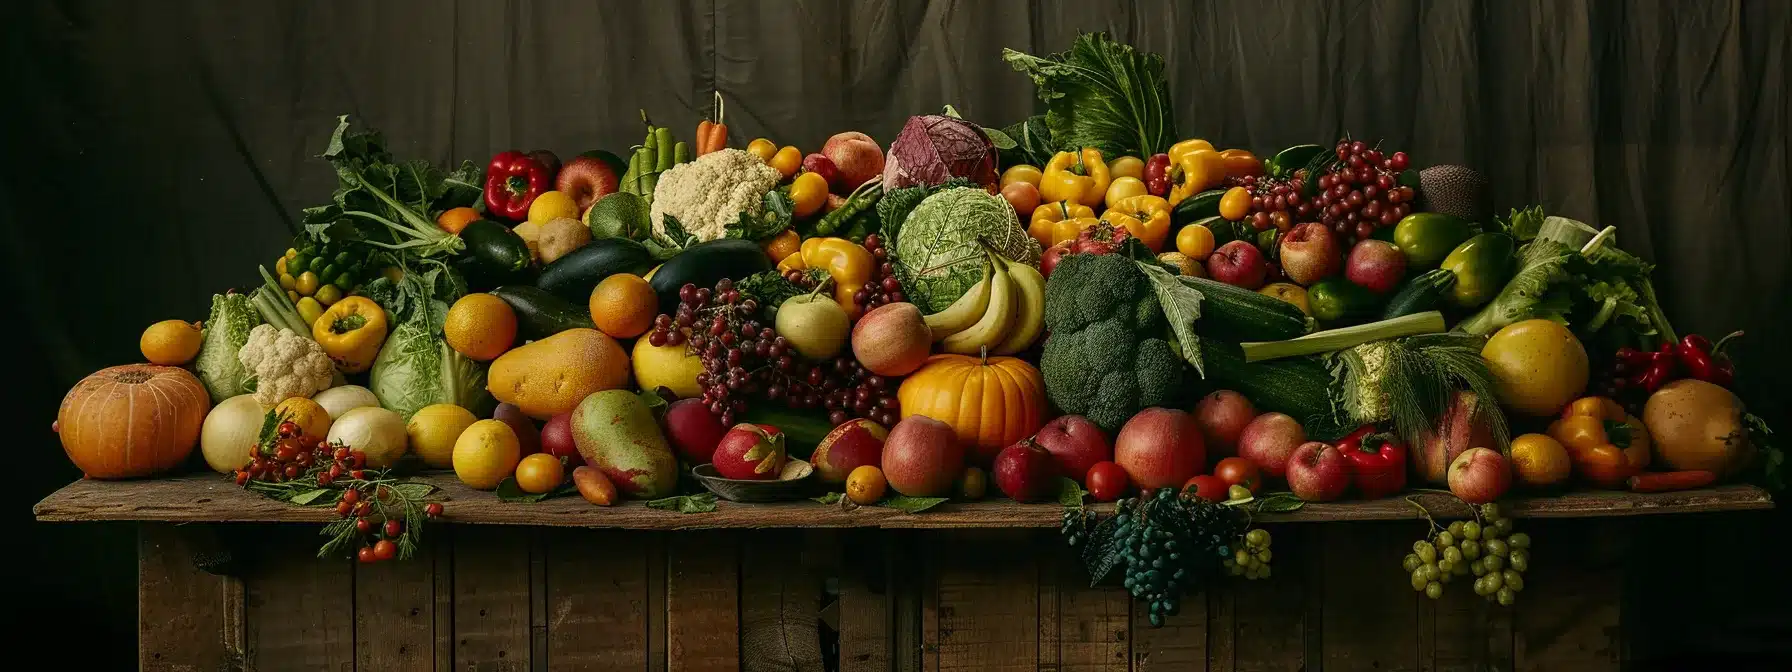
(933, 148)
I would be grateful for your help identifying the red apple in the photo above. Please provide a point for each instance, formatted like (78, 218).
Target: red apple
(586, 179)
(750, 452)
(1208, 487)
(1309, 253)
(1458, 430)
(1269, 441)
(1048, 261)
(1076, 444)
(1222, 416)
(1480, 475)
(1238, 263)
(1160, 448)
(1239, 471)
(692, 430)
(922, 457)
(855, 443)
(823, 166)
(857, 157)
(1106, 482)
(527, 435)
(892, 339)
(1377, 265)
(556, 439)
(1317, 472)
(1025, 472)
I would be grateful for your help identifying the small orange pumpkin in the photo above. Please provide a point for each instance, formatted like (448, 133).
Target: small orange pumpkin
(133, 420)
(990, 402)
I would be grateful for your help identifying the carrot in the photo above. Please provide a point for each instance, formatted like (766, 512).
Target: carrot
(1669, 481)
(712, 135)
(703, 128)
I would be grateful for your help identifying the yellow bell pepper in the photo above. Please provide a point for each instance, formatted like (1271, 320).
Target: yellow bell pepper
(1198, 171)
(1073, 177)
(351, 332)
(1145, 216)
(1181, 149)
(1055, 223)
(846, 262)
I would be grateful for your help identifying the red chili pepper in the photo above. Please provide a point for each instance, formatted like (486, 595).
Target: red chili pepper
(1157, 175)
(1664, 367)
(1669, 481)
(512, 182)
(1377, 460)
(1705, 362)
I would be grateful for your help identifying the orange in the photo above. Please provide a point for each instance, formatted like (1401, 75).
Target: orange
(1235, 204)
(453, 220)
(480, 326)
(539, 473)
(1539, 460)
(1196, 241)
(762, 148)
(485, 453)
(170, 342)
(865, 485)
(623, 306)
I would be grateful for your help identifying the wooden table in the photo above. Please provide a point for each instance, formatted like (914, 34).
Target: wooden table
(974, 586)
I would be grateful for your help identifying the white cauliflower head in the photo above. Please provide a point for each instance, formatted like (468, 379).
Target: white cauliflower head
(708, 194)
(284, 364)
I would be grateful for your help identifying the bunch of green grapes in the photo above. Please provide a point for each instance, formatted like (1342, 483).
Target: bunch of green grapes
(1251, 560)
(1486, 548)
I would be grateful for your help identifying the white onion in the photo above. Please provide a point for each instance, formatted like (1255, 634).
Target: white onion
(344, 398)
(230, 430)
(373, 430)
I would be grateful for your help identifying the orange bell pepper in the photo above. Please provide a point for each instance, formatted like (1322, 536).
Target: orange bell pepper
(1054, 223)
(1147, 217)
(1241, 162)
(1606, 445)
(846, 262)
(1072, 177)
(1199, 170)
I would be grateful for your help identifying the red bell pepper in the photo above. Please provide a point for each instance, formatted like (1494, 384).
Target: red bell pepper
(512, 182)
(1377, 461)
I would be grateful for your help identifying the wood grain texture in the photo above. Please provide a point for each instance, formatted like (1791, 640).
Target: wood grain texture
(1269, 616)
(1090, 628)
(187, 619)
(299, 613)
(988, 600)
(597, 599)
(703, 602)
(1567, 618)
(866, 627)
(1181, 645)
(782, 577)
(208, 498)
(1370, 613)
(491, 599)
(395, 619)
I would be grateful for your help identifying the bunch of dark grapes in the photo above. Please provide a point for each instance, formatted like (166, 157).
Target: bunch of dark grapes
(1361, 192)
(883, 287)
(1168, 545)
(745, 359)
(1486, 547)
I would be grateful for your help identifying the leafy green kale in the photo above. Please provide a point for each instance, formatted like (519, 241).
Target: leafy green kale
(1103, 94)
(1028, 141)
(388, 203)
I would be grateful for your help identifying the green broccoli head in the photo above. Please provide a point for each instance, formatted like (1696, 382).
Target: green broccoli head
(1106, 357)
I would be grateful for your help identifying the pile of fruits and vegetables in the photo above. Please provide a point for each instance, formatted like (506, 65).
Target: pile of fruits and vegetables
(1082, 306)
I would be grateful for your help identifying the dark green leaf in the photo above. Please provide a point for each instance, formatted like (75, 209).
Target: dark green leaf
(908, 504)
(509, 491)
(1309, 185)
(698, 503)
(1181, 304)
(775, 215)
(1000, 139)
(830, 498)
(311, 496)
(769, 288)
(1033, 143)
(413, 490)
(655, 403)
(1409, 178)
(1281, 502)
(1070, 493)
(1103, 94)
(1101, 552)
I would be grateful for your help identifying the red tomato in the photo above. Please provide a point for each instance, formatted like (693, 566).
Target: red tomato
(1207, 487)
(1106, 481)
(1239, 471)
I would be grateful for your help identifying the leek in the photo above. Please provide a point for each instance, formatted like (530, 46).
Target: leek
(1333, 340)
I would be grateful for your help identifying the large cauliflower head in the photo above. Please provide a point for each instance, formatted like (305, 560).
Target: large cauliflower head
(284, 364)
(708, 194)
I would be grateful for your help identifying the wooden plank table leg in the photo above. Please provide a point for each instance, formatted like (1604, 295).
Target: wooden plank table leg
(988, 600)
(395, 619)
(703, 602)
(866, 627)
(597, 599)
(1568, 615)
(491, 598)
(187, 618)
(295, 617)
(781, 585)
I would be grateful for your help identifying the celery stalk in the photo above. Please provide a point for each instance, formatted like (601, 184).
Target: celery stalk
(1332, 340)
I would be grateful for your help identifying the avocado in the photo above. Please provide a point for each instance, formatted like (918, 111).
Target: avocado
(1482, 266)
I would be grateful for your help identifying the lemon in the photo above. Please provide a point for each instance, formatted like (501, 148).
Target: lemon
(667, 366)
(170, 342)
(433, 430)
(1540, 366)
(311, 417)
(552, 205)
(485, 454)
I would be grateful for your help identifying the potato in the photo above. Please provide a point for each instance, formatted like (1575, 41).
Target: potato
(594, 486)
(530, 232)
(562, 236)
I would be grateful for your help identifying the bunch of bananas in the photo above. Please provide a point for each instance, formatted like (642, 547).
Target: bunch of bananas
(317, 275)
(1004, 312)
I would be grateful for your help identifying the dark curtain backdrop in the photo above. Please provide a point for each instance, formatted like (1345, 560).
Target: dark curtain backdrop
(158, 151)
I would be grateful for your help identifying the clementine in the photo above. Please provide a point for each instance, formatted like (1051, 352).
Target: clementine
(623, 306)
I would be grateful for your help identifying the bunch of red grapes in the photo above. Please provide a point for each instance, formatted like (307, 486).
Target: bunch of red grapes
(745, 359)
(1362, 191)
(1276, 203)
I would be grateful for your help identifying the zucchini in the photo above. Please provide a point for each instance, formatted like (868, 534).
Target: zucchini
(571, 277)
(1237, 314)
(705, 263)
(540, 314)
(494, 255)
(1421, 293)
(1298, 386)
(1196, 208)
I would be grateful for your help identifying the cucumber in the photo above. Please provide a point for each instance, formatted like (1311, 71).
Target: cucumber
(705, 263)
(1285, 162)
(571, 277)
(1422, 293)
(1195, 208)
(540, 314)
(1337, 302)
(494, 255)
(1237, 314)
(1298, 386)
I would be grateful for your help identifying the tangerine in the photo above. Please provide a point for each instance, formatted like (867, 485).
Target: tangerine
(623, 306)
(480, 326)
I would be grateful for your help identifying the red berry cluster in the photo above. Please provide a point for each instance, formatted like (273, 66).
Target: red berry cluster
(294, 455)
(745, 358)
(883, 287)
(1362, 191)
(1275, 203)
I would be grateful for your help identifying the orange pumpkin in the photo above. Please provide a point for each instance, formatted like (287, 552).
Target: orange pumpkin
(133, 420)
(990, 402)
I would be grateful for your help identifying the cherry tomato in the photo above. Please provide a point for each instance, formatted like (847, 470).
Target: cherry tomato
(539, 473)
(1106, 481)
(363, 525)
(393, 528)
(351, 497)
(365, 555)
(242, 477)
(433, 510)
(342, 508)
(384, 549)
(1208, 487)
(289, 428)
(1239, 471)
